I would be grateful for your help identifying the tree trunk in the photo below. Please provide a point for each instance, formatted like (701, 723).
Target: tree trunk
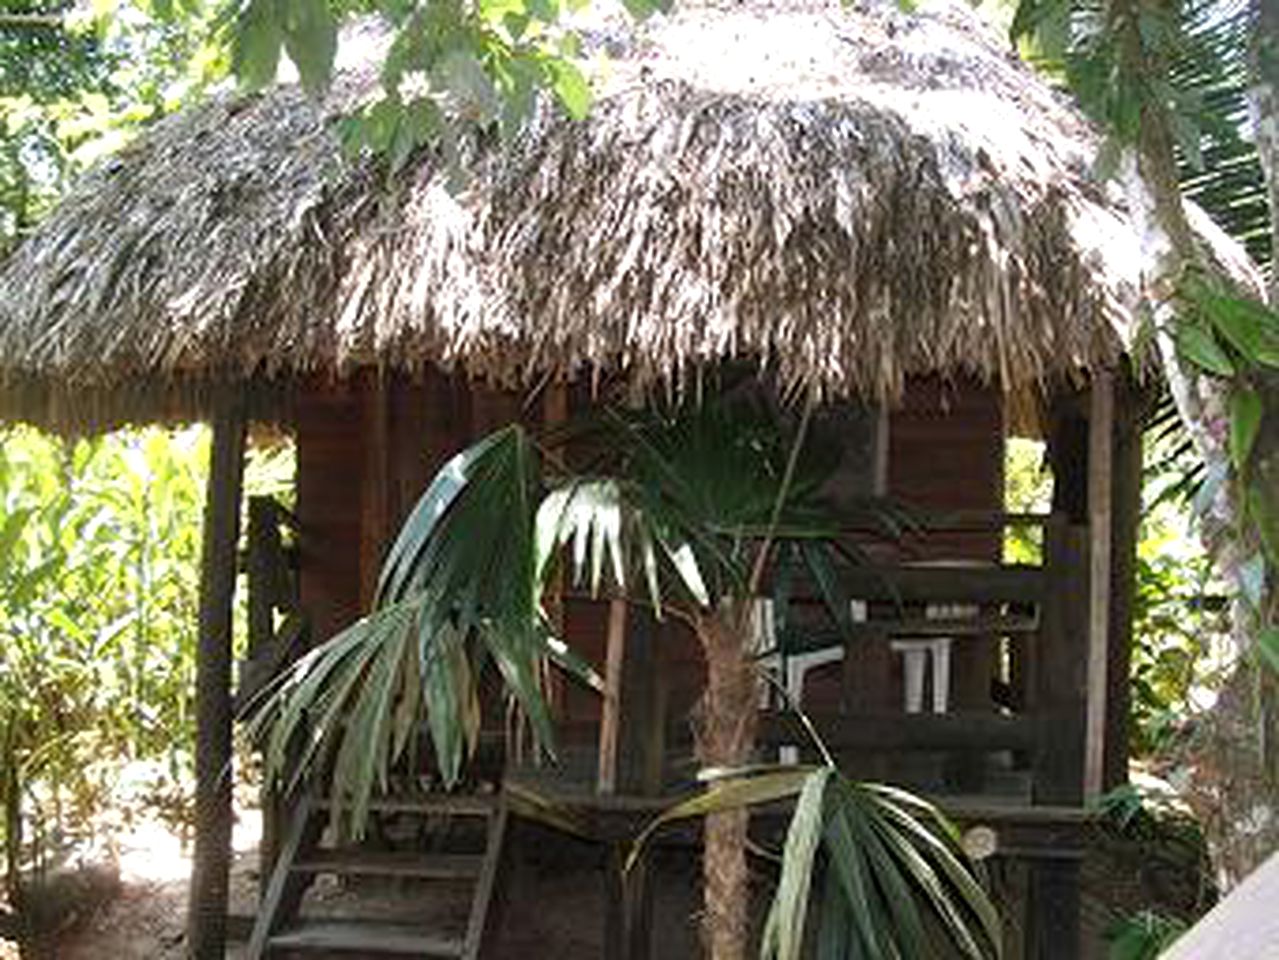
(1264, 96)
(1234, 777)
(725, 732)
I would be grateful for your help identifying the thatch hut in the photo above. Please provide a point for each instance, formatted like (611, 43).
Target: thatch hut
(885, 209)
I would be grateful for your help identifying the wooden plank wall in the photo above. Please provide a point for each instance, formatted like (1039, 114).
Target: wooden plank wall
(946, 452)
(367, 448)
(329, 432)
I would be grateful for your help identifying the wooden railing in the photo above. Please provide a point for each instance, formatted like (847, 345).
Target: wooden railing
(1037, 615)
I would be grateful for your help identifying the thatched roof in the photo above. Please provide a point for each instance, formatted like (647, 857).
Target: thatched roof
(848, 193)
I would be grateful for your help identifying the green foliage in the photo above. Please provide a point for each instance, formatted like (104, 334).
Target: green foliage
(1143, 936)
(78, 80)
(1163, 838)
(1027, 489)
(1203, 44)
(1238, 340)
(889, 873)
(1138, 65)
(451, 67)
(99, 579)
(1181, 630)
(98, 561)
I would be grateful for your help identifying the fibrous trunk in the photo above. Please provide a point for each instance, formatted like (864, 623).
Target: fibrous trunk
(726, 738)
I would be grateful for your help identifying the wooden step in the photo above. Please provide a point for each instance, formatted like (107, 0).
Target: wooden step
(366, 939)
(374, 863)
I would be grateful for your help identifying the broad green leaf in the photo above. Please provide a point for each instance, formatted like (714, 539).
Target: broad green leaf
(310, 38)
(1245, 421)
(798, 865)
(642, 9)
(1198, 347)
(1250, 327)
(571, 89)
(1261, 512)
(258, 38)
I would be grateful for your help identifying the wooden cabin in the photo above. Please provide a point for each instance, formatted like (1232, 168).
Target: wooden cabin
(879, 208)
(1027, 727)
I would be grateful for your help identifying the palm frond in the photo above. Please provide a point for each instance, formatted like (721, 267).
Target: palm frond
(458, 590)
(887, 867)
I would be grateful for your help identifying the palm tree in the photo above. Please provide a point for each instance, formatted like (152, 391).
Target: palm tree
(685, 510)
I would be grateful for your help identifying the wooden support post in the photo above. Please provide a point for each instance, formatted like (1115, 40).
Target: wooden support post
(207, 905)
(262, 548)
(1053, 911)
(638, 771)
(554, 416)
(1126, 522)
(1053, 933)
(867, 688)
(610, 709)
(1101, 431)
(375, 486)
(1060, 667)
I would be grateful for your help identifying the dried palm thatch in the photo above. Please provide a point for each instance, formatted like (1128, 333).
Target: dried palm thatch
(847, 194)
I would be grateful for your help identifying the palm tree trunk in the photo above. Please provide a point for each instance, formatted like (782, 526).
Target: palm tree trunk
(725, 734)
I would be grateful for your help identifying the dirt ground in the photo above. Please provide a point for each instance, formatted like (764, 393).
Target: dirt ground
(564, 882)
(144, 917)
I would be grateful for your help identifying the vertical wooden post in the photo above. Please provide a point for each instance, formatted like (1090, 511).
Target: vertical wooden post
(638, 769)
(375, 486)
(1101, 431)
(1053, 911)
(262, 549)
(554, 416)
(1126, 523)
(262, 546)
(1060, 669)
(207, 905)
(610, 709)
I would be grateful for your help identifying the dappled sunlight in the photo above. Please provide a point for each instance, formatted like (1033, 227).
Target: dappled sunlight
(152, 852)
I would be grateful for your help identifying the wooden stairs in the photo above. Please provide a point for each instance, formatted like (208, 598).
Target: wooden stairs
(283, 929)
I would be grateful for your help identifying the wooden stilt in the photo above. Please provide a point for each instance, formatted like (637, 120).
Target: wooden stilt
(207, 905)
(1053, 929)
(1101, 430)
(1126, 523)
(610, 715)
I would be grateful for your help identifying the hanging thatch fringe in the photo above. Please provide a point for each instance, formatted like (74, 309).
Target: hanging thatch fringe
(848, 195)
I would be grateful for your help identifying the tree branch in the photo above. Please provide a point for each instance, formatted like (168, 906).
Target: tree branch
(29, 20)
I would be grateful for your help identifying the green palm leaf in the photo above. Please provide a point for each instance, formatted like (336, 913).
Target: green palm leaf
(891, 876)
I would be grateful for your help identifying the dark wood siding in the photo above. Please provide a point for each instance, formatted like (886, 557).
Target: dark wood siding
(329, 429)
(946, 452)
